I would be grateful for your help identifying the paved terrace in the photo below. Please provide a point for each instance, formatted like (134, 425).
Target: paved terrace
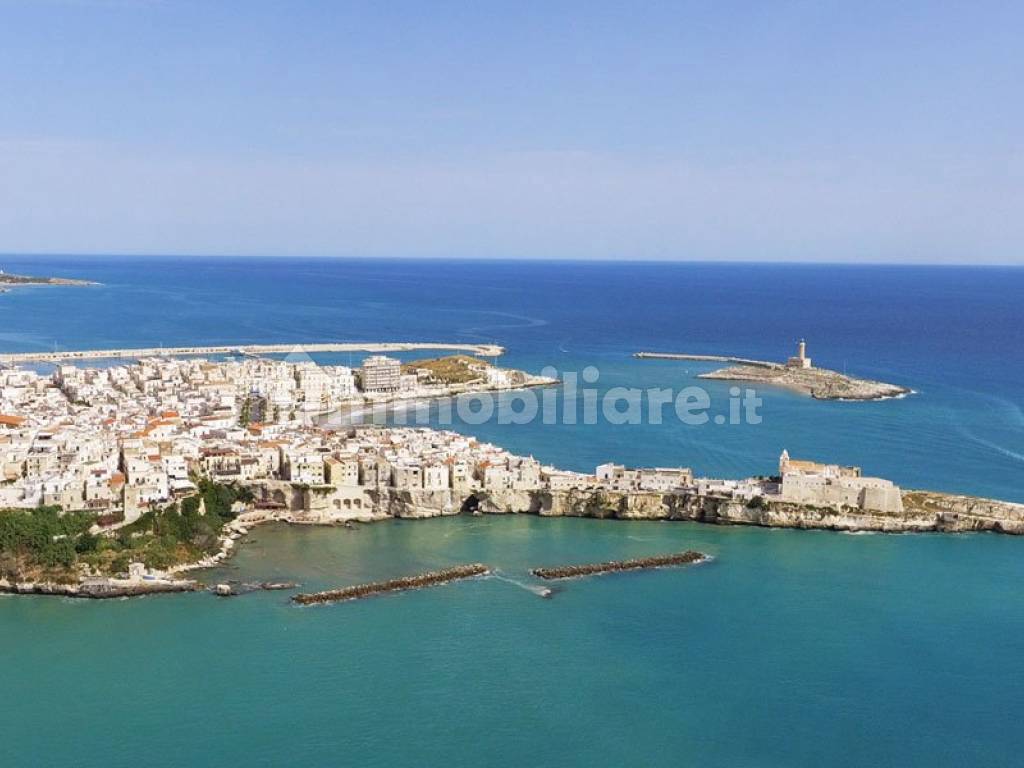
(11, 358)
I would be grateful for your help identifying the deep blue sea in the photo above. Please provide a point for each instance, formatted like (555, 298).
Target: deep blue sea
(789, 649)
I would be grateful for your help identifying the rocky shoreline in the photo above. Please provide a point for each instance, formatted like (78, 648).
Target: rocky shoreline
(819, 383)
(99, 589)
(923, 512)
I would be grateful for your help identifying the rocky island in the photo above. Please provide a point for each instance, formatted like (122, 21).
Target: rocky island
(796, 374)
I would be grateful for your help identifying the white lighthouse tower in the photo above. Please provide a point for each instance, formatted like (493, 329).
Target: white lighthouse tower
(801, 360)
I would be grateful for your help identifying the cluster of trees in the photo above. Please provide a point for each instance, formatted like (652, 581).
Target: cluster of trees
(45, 541)
(44, 537)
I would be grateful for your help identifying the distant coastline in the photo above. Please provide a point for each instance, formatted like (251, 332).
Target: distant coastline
(8, 281)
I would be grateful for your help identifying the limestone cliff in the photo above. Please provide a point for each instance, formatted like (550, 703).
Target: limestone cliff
(923, 510)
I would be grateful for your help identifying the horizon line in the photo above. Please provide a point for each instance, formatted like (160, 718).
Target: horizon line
(507, 259)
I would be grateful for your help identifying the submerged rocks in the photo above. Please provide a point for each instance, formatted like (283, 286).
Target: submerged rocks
(234, 588)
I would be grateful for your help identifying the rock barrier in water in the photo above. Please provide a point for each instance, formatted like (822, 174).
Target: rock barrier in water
(590, 569)
(429, 579)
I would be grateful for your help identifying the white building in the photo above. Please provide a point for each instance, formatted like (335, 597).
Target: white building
(381, 374)
(808, 482)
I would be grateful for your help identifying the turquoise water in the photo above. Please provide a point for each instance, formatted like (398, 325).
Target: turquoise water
(789, 649)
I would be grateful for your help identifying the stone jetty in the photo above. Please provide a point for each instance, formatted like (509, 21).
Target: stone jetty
(429, 579)
(591, 569)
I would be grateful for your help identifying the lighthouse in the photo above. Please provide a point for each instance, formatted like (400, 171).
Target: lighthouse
(801, 360)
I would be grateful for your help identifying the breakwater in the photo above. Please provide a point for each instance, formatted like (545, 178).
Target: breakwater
(429, 579)
(10, 358)
(637, 563)
(705, 358)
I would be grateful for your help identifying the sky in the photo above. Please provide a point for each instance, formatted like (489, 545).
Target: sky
(784, 131)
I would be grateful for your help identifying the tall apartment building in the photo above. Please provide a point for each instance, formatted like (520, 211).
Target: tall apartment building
(381, 374)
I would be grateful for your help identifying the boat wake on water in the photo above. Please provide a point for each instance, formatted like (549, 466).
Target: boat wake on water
(538, 589)
(989, 444)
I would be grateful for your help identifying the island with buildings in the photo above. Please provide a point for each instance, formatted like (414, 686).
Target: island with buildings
(797, 374)
(117, 480)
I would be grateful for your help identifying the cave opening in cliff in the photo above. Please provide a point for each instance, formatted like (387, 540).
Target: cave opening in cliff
(471, 506)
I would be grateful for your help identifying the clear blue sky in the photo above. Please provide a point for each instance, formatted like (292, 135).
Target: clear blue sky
(888, 131)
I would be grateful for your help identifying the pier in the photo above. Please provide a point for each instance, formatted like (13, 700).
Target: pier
(705, 358)
(591, 569)
(13, 358)
(430, 579)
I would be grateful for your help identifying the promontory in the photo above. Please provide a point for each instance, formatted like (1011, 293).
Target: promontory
(8, 281)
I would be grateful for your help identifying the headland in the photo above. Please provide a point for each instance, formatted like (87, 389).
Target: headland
(8, 281)
(117, 480)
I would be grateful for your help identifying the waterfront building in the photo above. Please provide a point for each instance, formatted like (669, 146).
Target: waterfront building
(381, 374)
(808, 482)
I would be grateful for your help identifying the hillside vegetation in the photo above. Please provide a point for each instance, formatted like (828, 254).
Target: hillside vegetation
(45, 545)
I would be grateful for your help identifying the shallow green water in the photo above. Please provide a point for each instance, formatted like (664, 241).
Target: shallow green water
(790, 648)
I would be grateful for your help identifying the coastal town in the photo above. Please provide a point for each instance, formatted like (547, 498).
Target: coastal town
(122, 442)
(120, 439)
